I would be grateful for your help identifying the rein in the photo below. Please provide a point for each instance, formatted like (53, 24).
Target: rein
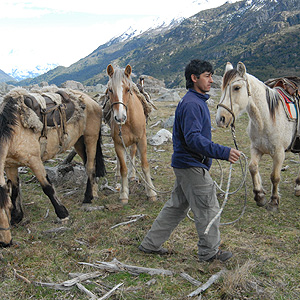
(141, 175)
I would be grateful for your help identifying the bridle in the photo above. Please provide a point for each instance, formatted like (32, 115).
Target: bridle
(230, 110)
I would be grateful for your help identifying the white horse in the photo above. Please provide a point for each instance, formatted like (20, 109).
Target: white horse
(270, 130)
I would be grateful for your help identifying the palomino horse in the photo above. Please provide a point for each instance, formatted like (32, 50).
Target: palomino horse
(26, 141)
(128, 126)
(269, 129)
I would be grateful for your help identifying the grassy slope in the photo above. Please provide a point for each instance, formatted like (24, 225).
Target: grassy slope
(265, 245)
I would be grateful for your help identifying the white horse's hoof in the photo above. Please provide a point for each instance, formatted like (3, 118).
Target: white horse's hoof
(124, 201)
(297, 193)
(152, 198)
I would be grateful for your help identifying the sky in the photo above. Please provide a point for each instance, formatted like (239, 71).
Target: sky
(40, 32)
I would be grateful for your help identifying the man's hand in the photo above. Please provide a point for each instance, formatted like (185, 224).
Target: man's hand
(234, 155)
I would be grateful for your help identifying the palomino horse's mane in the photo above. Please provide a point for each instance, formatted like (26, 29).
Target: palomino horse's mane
(272, 96)
(8, 118)
(118, 77)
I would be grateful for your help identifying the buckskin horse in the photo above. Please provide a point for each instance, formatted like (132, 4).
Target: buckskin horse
(127, 110)
(272, 125)
(30, 135)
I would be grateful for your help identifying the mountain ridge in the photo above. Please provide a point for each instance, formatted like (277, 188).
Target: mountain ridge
(263, 34)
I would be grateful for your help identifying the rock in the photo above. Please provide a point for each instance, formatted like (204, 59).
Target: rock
(61, 174)
(71, 84)
(169, 95)
(169, 123)
(162, 136)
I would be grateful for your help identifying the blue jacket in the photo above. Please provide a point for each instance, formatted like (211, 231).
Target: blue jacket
(192, 134)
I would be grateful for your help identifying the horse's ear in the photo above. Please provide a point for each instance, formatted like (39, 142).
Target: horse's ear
(110, 70)
(228, 67)
(241, 68)
(128, 70)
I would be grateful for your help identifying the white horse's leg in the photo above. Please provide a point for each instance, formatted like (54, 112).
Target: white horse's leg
(131, 168)
(124, 172)
(142, 146)
(297, 187)
(278, 159)
(259, 193)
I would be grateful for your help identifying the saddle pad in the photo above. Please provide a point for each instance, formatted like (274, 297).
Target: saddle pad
(288, 103)
(56, 98)
(40, 99)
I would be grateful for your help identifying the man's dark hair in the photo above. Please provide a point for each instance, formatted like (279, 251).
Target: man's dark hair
(196, 67)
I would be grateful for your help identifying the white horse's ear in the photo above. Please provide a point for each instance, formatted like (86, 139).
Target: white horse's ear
(110, 70)
(128, 70)
(228, 67)
(241, 68)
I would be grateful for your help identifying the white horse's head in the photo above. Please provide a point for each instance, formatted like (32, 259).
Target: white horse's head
(119, 91)
(235, 95)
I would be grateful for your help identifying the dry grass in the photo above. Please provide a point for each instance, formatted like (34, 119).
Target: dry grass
(265, 245)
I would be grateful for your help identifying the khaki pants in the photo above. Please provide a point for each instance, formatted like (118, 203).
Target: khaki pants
(195, 189)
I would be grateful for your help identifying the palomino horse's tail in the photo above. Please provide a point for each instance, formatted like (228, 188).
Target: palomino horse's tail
(100, 166)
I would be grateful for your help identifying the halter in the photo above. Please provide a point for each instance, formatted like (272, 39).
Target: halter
(230, 110)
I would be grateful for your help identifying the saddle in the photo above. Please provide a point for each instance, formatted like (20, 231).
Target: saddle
(53, 110)
(288, 88)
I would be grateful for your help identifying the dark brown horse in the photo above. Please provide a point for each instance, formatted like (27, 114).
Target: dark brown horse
(128, 126)
(24, 141)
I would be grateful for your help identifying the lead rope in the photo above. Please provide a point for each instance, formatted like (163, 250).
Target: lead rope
(141, 175)
(227, 189)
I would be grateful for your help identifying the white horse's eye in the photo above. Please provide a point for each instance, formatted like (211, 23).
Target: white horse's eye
(236, 88)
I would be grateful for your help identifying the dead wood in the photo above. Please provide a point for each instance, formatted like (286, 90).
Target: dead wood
(136, 218)
(116, 266)
(190, 279)
(108, 294)
(55, 286)
(80, 278)
(208, 283)
(85, 290)
(21, 277)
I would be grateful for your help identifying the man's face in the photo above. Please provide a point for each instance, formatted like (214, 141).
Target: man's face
(202, 84)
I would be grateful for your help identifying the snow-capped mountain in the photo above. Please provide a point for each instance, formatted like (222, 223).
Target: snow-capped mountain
(20, 74)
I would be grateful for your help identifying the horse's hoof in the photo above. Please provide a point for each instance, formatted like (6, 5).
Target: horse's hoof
(152, 198)
(124, 201)
(260, 199)
(297, 193)
(64, 221)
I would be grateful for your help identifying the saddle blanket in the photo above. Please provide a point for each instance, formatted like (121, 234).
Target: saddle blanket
(289, 104)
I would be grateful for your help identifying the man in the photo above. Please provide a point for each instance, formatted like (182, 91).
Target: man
(191, 161)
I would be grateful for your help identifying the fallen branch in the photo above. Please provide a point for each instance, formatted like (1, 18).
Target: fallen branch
(138, 270)
(208, 283)
(110, 292)
(85, 290)
(137, 217)
(190, 279)
(55, 286)
(80, 278)
(21, 277)
(116, 266)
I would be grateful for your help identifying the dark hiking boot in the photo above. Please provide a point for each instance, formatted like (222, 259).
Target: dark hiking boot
(221, 256)
(160, 251)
